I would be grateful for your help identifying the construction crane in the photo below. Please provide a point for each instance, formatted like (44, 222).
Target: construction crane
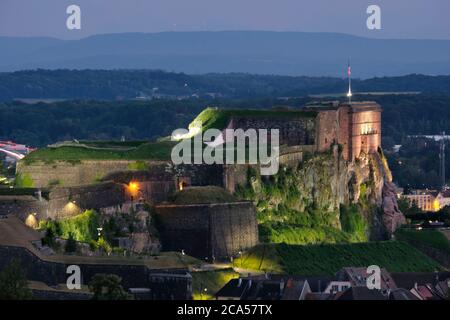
(442, 159)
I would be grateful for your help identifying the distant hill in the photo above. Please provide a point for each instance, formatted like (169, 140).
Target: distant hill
(259, 52)
(56, 85)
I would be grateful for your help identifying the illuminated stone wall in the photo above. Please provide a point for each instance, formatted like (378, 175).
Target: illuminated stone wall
(67, 202)
(366, 132)
(72, 174)
(23, 206)
(356, 127)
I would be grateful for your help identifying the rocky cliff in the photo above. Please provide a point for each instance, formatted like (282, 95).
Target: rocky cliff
(373, 172)
(326, 199)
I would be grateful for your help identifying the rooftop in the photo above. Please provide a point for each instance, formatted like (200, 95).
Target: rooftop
(362, 293)
(234, 288)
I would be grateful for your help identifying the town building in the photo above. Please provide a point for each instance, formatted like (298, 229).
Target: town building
(428, 200)
(348, 284)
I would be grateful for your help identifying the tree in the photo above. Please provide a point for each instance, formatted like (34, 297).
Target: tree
(13, 283)
(71, 244)
(108, 287)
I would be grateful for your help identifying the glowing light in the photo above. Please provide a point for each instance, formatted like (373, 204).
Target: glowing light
(133, 189)
(31, 221)
(133, 186)
(193, 131)
(71, 208)
(436, 205)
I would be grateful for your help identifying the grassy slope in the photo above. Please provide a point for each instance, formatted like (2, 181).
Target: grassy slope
(328, 259)
(213, 281)
(146, 151)
(432, 238)
(218, 118)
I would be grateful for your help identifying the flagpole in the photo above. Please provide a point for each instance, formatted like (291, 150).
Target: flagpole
(349, 73)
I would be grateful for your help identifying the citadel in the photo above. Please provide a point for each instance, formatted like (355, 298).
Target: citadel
(192, 208)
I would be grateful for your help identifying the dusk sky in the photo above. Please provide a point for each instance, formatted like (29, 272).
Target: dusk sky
(400, 18)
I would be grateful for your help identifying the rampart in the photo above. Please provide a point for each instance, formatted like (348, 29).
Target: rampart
(220, 230)
(292, 131)
(164, 284)
(66, 173)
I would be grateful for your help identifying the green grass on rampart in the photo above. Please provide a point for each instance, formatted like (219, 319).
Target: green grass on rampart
(218, 118)
(146, 151)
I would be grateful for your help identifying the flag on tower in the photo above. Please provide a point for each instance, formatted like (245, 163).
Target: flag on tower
(349, 72)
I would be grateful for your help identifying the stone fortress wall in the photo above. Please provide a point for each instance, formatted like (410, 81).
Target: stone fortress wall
(366, 130)
(23, 206)
(66, 202)
(165, 284)
(63, 202)
(219, 230)
(67, 173)
(356, 127)
(292, 131)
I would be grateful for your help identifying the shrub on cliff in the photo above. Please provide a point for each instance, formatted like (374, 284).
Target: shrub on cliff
(71, 244)
(82, 227)
(104, 245)
(352, 222)
(23, 181)
(49, 238)
(138, 165)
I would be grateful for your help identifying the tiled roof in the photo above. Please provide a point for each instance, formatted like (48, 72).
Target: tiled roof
(362, 293)
(293, 289)
(402, 294)
(408, 280)
(234, 288)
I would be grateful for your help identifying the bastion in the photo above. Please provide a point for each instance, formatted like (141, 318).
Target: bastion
(207, 222)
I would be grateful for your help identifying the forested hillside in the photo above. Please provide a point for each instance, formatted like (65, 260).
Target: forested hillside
(129, 84)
